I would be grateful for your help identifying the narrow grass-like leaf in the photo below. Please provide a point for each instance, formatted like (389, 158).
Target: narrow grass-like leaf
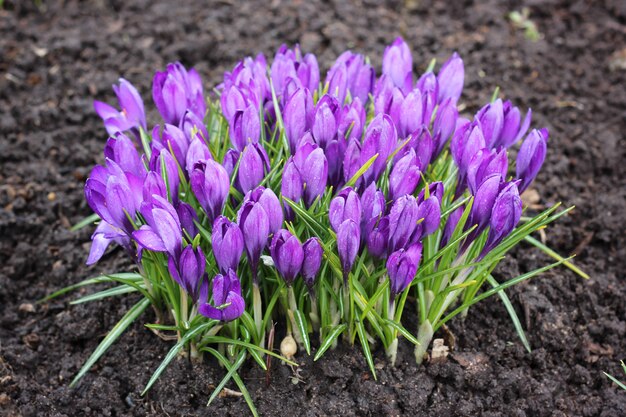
(90, 281)
(85, 222)
(361, 171)
(366, 347)
(619, 384)
(329, 340)
(111, 337)
(109, 292)
(232, 373)
(174, 351)
(404, 332)
(509, 308)
(545, 249)
(302, 328)
(222, 339)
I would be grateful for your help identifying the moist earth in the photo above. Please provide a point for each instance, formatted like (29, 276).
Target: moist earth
(56, 57)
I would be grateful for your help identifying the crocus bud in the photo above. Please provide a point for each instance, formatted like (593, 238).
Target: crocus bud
(352, 120)
(187, 216)
(402, 222)
(491, 118)
(346, 205)
(512, 132)
(373, 203)
(483, 204)
(430, 211)
(398, 64)
(381, 134)
(174, 140)
(410, 118)
(506, 212)
(324, 126)
(211, 185)
(402, 266)
(188, 270)
(435, 189)
(377, 236)
(230, 162)
(102, 237)
(132, 114)
(163, 161)
(531, 156)
(485, 163)
(287, 254)
(227, 243)
(348, 241)
(191, 121)
(253, 165)
(315, 175)
(245, 127)
(232, 100)
(122, 151)
(227, 293)
(176, 90)
(153, 184)
(337, 80)
(163, 232)
(444, 125)
(450, 79)
(197, 152)
(255, 227)
(291, 185)
(297, 117)
(312, 260)
(451, 223)
(270, 204)
(404, 176)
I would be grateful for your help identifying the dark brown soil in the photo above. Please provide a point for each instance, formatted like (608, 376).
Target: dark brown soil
(55, 59)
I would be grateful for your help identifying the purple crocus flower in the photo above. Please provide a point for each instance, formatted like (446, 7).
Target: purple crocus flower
(430, 211)
(174, 140)
(411, 112)
(227, 242)
(404, 176)
(485, 163)
(232, 100)
(352, 121)
(402, 266)
(377, 236)
(348, 242)
(312, 260)
(398, 64)
(229, 304)
(450, 79)
(491, 118)
(211, 185)
(187, 216)
(451, 223)
(298, 116)
(291, 185)
(163, 232)
(255, 227)
(324, 126)
(314, 175)
(435, 189)
(123, 152)
(245, 127)
(162, 160)
(444, 125)
(177, 90)
(288, 255)
(188, 270)
(271, 205)
(381, 134)
(102, 237)
(373, 203)
(512, 132)
(506, 213)
(132, 115)
(359, 76)
(402, 222)
(482, 206)
(191, 121)
(531, 156)
(253, 166)
(346, 205)
(153, 184)
(197, 152)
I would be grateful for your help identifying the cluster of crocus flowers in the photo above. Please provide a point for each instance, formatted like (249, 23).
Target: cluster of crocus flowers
(350, 174)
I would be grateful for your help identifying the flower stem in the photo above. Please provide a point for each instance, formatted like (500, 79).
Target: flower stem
(258, 312)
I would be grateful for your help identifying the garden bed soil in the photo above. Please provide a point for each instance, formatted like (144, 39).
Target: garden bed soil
(56, 58)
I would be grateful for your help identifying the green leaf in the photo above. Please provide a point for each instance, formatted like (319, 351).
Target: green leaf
(361, 171)
(232, 373)
(329, 340)
(302, 328)
(612, 378)
(221, 339)
(85, 222)
(174, 351)
(366, 347)
(404, 332)
(555, 255)
(90, 281)
(111, 337)
(109, 292)
(509, 307)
